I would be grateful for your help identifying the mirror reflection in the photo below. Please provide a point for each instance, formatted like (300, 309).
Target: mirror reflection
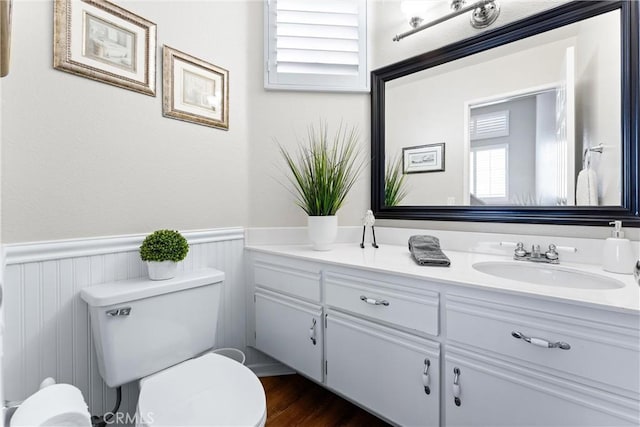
(531, 123)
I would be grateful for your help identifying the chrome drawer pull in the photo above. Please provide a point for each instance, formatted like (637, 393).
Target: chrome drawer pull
(541, 342)
(426, 378)
(456, 387)
(312, 332)
(374, 301)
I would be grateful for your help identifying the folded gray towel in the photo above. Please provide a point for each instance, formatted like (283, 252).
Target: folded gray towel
(425, 250)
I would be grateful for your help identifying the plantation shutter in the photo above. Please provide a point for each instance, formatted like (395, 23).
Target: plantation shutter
(490, 125)
(316, 45)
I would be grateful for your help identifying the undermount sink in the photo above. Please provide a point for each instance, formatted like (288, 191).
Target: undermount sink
(545, 274)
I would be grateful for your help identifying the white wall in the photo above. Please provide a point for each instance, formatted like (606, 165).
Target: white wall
(83, 158)
(285, 116)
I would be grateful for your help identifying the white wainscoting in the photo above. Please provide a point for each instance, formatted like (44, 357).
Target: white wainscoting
(47, 326)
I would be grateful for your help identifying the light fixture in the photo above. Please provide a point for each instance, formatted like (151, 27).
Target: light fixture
(484, 13)
(415, 11)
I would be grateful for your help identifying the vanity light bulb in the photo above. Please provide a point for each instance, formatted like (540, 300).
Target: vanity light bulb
(415, 9)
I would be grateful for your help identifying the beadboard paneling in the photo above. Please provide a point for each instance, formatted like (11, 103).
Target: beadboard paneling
(47, 325)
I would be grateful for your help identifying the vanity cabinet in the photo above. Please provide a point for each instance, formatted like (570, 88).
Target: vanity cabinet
(417, 352)
(485, 391)
(511, 362)
(288, 314)
(290, 331)
(394, 374)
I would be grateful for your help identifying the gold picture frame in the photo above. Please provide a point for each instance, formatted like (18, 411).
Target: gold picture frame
(101, 41)
(194, 90)
(5, 36)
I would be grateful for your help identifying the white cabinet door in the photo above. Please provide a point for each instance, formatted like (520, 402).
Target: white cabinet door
(495, 393)
(383, 369)
(290, 331)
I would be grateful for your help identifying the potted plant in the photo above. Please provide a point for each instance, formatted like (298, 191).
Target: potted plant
(394, 183)
(322, 173)
(162, 250)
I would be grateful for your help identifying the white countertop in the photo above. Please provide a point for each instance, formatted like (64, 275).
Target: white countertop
(398, 260)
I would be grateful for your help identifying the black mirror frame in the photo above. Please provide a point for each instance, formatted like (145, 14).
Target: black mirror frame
(562, 15)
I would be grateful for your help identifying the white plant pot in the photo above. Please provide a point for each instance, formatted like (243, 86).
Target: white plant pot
(323, 231)
(162, 270)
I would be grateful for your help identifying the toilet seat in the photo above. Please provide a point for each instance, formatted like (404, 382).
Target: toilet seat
(211, 390)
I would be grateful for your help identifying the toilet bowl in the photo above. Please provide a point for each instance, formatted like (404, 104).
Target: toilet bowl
(210, 390)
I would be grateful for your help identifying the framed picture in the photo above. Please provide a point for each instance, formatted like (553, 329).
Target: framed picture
(423, 158)
(5, 36)
(194, 90)
(101, 41)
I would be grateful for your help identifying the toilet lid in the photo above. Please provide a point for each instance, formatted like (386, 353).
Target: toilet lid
(211, 390)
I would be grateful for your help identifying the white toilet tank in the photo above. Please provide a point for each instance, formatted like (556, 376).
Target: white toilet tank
(141, 326)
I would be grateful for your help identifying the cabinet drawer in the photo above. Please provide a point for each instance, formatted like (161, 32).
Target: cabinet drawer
(300, 283)
(408, 309)
(598, 353)
(291, 332)
(382, 369)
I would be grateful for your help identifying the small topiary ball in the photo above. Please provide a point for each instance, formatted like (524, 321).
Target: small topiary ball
(164, 245)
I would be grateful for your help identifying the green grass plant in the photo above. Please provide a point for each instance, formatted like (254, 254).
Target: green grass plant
(324, 168)
(395, 188)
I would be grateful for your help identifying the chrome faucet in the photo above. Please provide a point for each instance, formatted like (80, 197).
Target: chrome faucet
(536, 255)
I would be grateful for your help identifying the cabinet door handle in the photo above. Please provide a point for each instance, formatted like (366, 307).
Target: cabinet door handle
(374, 301)
(312, 332)
(456, 387)
(426, 379)
(540, 342)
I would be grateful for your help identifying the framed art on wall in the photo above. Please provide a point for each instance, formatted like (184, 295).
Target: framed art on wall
(194, 90)
(423, 158)
(104, 42)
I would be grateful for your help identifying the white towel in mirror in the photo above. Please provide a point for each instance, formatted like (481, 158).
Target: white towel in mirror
(587, 188)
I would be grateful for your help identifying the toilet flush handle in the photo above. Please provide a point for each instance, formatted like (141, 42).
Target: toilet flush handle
(122, 311)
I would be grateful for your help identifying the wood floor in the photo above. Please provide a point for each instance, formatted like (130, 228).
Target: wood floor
(293, 400)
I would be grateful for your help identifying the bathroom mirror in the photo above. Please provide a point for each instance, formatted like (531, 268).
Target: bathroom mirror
(535, 121)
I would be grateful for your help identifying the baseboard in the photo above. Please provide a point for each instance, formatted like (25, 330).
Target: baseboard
(271, 369)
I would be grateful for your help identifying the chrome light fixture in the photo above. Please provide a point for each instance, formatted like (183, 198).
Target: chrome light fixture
(415, 10)
(484, 13)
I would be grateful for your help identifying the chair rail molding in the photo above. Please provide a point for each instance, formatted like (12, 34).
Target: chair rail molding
(19, 253)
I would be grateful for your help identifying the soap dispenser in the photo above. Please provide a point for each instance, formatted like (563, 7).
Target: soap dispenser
(618, 254)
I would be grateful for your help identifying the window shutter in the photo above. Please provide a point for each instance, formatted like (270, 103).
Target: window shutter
(490, 125)
(316, 45)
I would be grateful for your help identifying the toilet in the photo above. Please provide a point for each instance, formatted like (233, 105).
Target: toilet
(160, 333)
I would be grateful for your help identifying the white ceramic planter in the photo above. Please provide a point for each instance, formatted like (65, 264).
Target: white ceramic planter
(323, 231)
(162, 270)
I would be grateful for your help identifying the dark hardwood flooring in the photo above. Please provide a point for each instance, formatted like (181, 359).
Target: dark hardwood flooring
(293, 400)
